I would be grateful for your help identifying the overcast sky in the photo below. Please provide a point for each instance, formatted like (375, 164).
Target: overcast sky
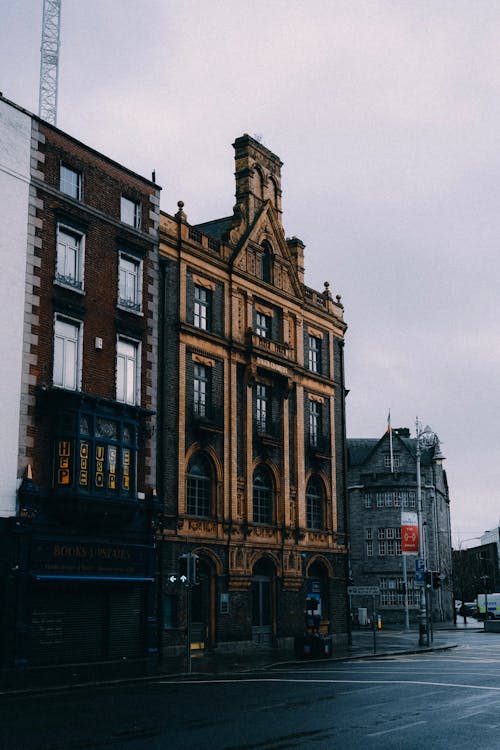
(387, 118)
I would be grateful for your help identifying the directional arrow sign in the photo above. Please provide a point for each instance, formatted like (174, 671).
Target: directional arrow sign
(363, 590)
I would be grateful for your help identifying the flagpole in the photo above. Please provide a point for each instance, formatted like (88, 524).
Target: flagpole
(390, 441)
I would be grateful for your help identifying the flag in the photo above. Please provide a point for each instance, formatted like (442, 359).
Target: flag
(409, 533)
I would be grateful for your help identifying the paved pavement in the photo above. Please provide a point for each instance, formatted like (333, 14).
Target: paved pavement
(388, 641)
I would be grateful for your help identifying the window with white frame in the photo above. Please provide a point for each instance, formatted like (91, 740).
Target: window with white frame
(389, 541)
(129, 282)
(314, 354)
(201, 387)
(262, 407)
(130, 212)
(70, 182)
(262, 325)
(368, 500)
(127, 371)
(392, 592)
(395, 461)
(314, 423)
(369, 542)
(69, 262)
(67, 356)
(201, 307)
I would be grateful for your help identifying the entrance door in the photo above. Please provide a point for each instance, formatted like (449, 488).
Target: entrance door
(262, 611)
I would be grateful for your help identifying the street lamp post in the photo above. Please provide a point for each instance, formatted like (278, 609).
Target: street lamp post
(425, 439)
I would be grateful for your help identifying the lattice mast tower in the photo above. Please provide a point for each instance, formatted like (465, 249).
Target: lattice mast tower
(49, 60)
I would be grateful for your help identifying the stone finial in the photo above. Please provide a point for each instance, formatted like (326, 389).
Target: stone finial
(180, 215)
(326, 293)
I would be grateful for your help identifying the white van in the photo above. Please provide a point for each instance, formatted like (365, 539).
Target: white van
(493, 606)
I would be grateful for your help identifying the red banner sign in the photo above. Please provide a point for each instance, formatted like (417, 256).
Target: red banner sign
(409, 533)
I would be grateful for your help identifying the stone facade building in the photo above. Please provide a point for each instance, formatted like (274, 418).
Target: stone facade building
(252, 433)
(476, 570)
(79, 479)
(379, 490)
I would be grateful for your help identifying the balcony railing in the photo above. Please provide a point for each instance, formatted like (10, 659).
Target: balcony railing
(270, 346)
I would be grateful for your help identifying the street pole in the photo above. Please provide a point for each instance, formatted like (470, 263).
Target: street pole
(405, 579)
(422, 615)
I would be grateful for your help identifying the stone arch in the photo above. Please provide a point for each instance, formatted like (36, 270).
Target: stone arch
(260, 181)
(319, 560)
(260, 555)
(212, 556)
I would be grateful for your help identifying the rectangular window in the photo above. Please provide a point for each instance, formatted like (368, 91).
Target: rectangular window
(130, 282)
(127, 371)
(70, 182)
(201, 307)
(262, 407)
(314, 423)
(368, 500)
(69, 264)
(66, 354)
(369, 548)
(314, 354)
(395, 461)
(130, 212)
(262, 325)
(382, 547)
(200, 390)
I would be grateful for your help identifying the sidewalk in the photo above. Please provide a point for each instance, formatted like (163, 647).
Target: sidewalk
(387, 642)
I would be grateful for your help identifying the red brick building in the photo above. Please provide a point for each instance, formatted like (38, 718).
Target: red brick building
(80, 582)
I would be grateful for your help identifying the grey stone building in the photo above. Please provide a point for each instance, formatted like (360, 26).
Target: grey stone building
(380, 487)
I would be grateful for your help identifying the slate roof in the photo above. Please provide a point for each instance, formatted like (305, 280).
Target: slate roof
(218, 228)
(359, 449)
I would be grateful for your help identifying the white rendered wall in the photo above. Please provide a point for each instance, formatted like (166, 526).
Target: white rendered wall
(15, 142)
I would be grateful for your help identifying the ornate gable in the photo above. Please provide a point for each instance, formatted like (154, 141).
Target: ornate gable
(260, 249)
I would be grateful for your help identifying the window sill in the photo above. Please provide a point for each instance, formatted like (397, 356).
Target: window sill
(70, 287)
(126, 308)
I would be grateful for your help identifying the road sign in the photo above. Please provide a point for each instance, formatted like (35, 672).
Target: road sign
(363, 590)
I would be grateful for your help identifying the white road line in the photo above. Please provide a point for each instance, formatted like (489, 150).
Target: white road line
(464, 686)
(403, 727)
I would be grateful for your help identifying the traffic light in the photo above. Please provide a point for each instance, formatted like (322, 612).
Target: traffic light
(428, 579)
(436, 579)
(189, 569)
(184, 569)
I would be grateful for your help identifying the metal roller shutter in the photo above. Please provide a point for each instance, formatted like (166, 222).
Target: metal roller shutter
(67, 625)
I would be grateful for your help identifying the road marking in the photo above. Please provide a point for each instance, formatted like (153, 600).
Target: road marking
(244, 680)
(395, 729)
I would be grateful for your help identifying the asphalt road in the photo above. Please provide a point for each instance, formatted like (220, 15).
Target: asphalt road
(448, 699)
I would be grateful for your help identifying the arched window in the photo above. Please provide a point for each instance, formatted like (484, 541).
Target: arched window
(314, 504)
(262, 495)
(199, 487)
